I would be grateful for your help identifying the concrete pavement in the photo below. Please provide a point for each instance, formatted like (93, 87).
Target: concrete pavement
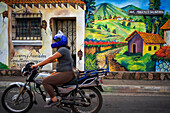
(137, 86)
(113, 85)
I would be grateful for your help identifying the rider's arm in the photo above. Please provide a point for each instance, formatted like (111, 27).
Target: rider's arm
(53, 61)
(49, 59)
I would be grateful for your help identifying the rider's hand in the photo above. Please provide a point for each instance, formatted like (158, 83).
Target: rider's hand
(34, 66)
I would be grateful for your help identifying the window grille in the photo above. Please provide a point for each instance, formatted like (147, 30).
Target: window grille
(26, 27)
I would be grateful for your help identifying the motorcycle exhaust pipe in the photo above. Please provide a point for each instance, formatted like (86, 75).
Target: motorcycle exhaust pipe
(67, 102)
(73, 103)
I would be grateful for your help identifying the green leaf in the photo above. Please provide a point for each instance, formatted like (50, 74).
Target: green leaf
(3, 66)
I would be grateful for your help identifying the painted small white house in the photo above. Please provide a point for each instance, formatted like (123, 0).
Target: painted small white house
(166, 28)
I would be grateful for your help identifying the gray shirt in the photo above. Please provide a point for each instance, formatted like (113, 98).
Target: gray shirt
(65, 62)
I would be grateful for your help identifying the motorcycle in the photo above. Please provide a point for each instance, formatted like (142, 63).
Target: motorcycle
(80, 95)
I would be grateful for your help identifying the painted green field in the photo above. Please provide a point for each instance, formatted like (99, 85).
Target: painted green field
(135, 62)
(119, 27)
(98, 34)
(112, 23)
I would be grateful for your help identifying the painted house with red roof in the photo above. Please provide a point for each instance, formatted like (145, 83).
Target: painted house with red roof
(117, 18)
(28, 26)
(166, 28)
(144, 42)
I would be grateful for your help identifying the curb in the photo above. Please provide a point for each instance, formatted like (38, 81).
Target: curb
(136, 89)
(123, 88)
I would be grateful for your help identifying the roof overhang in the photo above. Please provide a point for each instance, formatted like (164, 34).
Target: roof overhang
(46, 4)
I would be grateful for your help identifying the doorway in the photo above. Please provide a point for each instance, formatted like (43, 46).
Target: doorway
(134, 48)
(68, 27)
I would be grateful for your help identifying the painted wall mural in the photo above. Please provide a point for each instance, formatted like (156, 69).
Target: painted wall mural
(131, 43)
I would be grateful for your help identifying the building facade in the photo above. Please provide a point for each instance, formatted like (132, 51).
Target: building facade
(27, 28)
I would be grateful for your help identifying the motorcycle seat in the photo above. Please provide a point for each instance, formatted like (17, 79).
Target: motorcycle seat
(72, 82)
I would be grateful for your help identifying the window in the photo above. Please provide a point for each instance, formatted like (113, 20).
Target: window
(149, 48)
(28, 29)
(155, 48)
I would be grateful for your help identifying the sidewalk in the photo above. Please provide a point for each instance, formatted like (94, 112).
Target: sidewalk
(113, 85)
(137, 86)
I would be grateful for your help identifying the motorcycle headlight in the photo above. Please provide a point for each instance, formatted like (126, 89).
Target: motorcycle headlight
(22, 70)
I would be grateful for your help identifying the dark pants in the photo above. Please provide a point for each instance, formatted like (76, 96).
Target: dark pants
(57, 79)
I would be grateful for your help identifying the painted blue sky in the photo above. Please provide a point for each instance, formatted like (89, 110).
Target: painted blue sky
(143, 4)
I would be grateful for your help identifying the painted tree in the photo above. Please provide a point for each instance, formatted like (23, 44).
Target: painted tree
(89, 13)
(105, 26)
(163, 21)
(99, 18)
(123, 23)
(98, 27)
(104, 18)
(129, 24)
(124, 18)
(110, 16)
(114, 31)
(114, 17)
(154, 4)
(130, 18)
(155, 20)
(108, 29)
(148, 24)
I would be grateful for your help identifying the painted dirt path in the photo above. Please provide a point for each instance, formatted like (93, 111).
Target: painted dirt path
(113, 65)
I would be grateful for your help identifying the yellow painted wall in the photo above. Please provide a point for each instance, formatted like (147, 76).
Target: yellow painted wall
(152, 51)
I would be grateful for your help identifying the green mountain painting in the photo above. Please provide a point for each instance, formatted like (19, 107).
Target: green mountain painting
(107, 9)
(114, 23)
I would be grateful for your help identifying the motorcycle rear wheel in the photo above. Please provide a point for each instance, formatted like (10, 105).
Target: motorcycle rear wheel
(94, 99)
(24, 103)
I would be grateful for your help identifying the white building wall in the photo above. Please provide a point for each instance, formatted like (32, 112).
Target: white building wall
(49, 13)
(3, 35)
(24, 54)
(167, 37)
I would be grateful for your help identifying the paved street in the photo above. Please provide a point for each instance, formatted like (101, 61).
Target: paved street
(136, 104)
(116, 103)
(120, 96)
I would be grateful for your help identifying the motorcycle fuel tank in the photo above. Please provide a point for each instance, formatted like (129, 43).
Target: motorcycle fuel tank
(40, 77)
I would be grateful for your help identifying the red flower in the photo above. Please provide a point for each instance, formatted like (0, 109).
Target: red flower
(163, 52)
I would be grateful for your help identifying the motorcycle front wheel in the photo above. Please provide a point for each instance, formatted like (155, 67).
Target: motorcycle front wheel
(92, 103)
(13, 103)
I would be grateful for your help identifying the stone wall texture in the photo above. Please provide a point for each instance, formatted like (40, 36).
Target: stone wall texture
(112, 75)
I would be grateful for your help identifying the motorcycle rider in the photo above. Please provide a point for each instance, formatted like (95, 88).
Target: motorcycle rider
(64, 68)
